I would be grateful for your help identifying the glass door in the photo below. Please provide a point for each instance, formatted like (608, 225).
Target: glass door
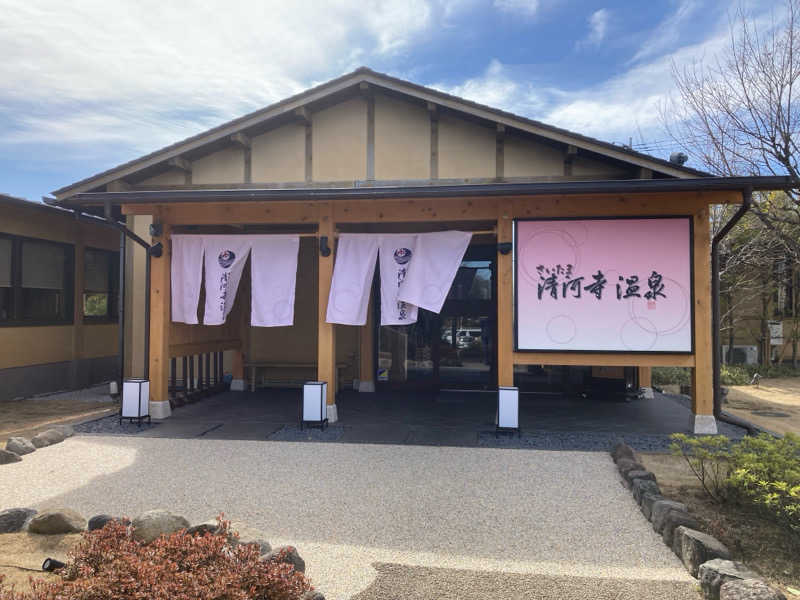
(451, 350)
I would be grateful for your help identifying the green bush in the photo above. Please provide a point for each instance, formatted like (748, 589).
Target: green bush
(766, 471)
(709, 458)
(735, 375)
(671, 376)
(743, 374)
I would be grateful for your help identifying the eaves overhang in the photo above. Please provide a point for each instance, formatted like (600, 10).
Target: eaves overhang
(629, 186)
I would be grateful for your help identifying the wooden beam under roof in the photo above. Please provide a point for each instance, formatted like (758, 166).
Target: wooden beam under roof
(180, 163)
(241, 139)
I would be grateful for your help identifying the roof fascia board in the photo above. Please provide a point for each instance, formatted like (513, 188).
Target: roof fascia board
(632, 186)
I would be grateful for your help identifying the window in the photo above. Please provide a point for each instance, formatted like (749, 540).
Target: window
(35, 281)
(100, 284)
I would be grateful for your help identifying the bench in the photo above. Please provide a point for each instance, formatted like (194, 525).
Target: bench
(254, 366)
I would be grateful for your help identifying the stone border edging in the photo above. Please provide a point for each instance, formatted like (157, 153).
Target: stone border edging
(705, 557)
(146, 527)
(17, 447)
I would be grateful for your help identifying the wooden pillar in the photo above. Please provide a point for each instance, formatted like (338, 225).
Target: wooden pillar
(326, 340)
(702, 378)
(367, 360)
(77, 308)
(160, 319)
(505, 297)
(645, 377)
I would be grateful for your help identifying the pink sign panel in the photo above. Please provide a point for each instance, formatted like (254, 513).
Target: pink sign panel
(607, 284)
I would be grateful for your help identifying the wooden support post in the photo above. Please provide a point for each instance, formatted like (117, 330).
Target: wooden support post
(434, 114)
(77, 307)
(702, 377)
(500, 140)
(370, 99)
(569, 157)
(505, 297)
(367, 360)
(326, 339)
(160, 325)
(645, 376)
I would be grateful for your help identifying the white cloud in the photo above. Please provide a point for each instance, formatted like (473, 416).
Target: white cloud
(668, 32)
(499, 88)
(598, 28)
(526, 8)
(148, 72)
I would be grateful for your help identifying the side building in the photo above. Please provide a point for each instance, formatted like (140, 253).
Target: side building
(58, 300)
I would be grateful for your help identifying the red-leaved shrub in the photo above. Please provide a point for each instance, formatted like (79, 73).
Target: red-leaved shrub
(109, 564)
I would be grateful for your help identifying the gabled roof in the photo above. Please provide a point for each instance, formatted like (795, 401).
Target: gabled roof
(367, 76)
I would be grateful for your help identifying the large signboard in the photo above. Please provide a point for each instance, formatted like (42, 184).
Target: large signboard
(604, 284)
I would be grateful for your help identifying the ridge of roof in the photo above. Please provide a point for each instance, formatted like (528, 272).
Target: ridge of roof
(366, 72)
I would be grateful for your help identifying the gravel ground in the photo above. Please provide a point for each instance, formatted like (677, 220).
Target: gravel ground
(421, 583)
(111, 426)
(559, 516)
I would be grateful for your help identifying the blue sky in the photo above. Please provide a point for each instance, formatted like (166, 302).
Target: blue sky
(87, 85)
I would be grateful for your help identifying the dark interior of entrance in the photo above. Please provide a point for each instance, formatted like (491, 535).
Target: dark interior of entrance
(456, 348)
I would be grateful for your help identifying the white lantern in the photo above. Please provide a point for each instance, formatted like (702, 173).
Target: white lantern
(314, 403)
(135, 399)
(508, 409)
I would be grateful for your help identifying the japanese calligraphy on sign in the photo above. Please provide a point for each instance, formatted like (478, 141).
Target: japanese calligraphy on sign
(605, 284)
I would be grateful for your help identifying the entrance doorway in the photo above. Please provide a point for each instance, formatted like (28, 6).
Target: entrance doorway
(451, 350)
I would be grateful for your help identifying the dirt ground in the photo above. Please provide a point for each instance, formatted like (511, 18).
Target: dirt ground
(762, 545)
(22, 554)
(29, 416)
(774, 404)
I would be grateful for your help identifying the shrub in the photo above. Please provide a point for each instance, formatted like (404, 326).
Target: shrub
(709, 458)
(743, 374)
(766, 471)
(671, 376)
(734, 375)
(110, 563)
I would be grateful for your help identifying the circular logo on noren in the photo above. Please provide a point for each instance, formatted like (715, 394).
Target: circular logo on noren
(226, 258)
(402, 256)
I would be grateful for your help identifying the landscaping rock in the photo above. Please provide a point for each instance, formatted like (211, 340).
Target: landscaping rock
(626, 464)
(622, 450)
(67, 430)
(634, 474)
(675, 519)
(312, 595)
(641, 487)
(714, 573)
(99, 521)
(153, 523)
(14, 519)
(749, 589)
(695, 547)
(203, 528)
(20, 446)
(288, 555)
(47, 438)
(7, 457)
(51, 522)
(660, 510)
(648, 499)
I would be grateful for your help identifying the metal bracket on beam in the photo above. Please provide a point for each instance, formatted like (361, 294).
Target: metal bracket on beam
(505, 247)
(324, 249)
